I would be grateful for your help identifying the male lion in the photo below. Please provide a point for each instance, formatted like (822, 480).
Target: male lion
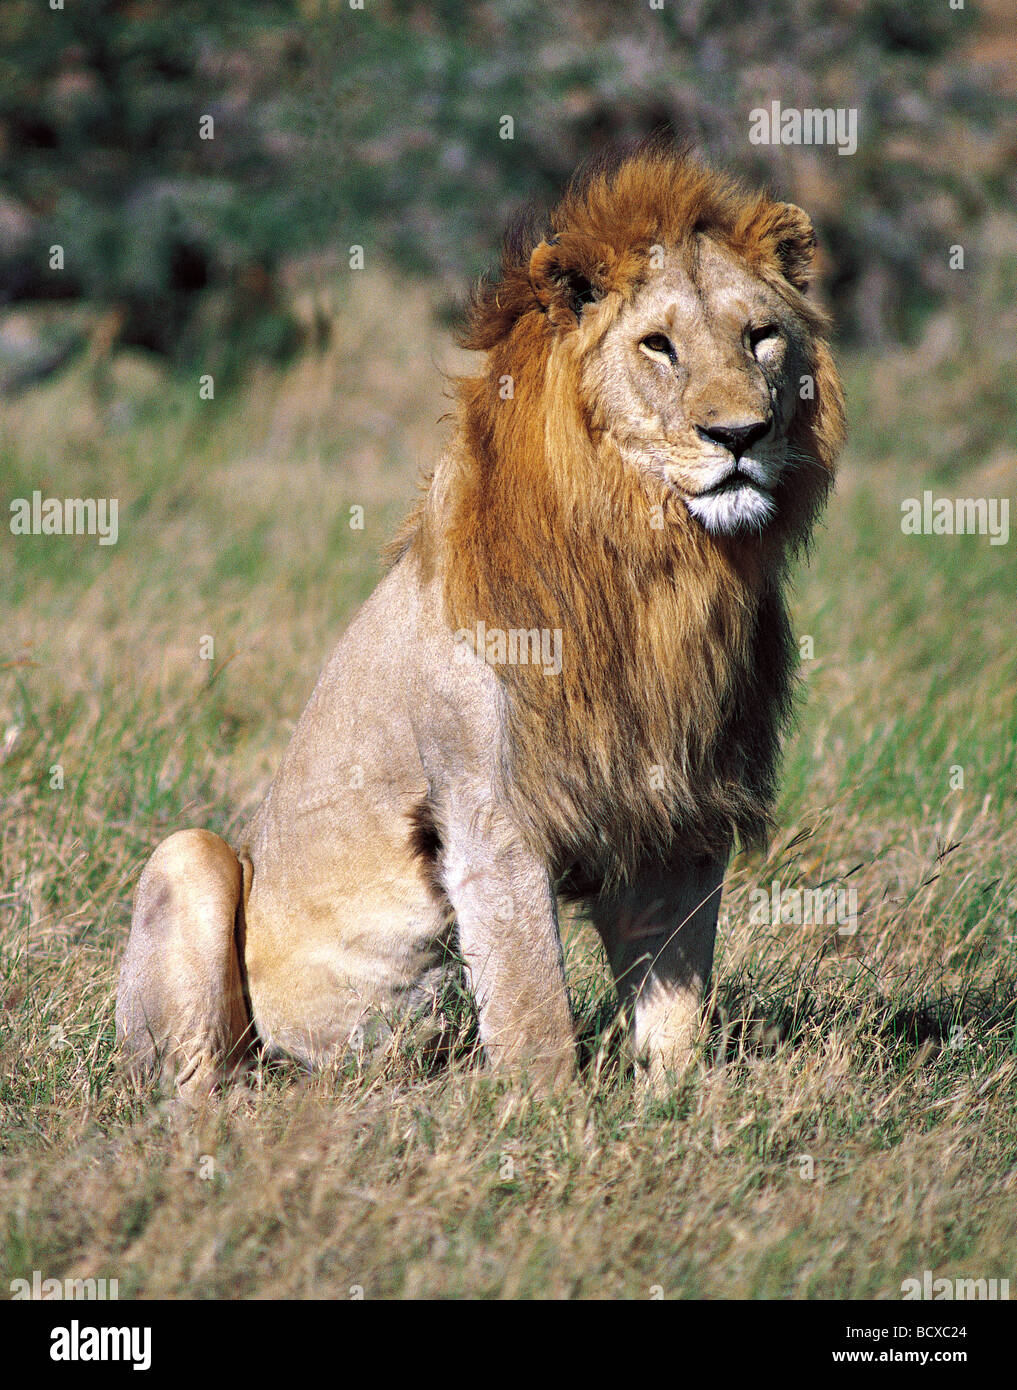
(572, 680)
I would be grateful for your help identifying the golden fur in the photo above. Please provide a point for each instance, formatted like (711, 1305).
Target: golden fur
(649, 439)
(681, 654)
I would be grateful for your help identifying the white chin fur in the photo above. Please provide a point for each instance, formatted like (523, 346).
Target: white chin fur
(734, 509)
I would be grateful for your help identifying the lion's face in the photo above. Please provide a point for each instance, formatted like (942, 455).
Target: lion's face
(696, 379)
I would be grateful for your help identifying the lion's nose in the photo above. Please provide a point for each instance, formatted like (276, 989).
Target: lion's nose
(736, 436)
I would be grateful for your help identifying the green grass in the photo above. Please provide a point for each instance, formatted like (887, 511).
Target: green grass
(882, 1063)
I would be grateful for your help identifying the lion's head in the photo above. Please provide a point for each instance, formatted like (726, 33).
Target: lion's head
(675, 303)
(652, 434)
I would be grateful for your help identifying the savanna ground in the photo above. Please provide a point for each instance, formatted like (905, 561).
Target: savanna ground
(887, 1057)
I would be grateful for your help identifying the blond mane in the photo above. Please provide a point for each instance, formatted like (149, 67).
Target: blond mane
(663, 728)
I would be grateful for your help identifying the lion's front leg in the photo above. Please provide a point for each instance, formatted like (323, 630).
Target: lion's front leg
(508, 934)
(659, 934)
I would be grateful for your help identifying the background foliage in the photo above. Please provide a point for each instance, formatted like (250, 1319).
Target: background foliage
(886, 1060)
(380, 127)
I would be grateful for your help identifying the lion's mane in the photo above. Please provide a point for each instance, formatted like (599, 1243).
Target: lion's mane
(661, 734)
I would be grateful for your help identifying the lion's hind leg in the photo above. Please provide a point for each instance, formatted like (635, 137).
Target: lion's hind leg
(181, 1006)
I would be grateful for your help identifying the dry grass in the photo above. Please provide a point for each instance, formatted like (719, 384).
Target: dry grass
(888, 1057)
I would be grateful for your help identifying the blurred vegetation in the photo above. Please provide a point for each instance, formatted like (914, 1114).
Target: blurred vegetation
(888, 1056)
(383, 127)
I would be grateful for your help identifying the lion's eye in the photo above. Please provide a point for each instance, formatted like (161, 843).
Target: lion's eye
(658, 345)
(765, 333)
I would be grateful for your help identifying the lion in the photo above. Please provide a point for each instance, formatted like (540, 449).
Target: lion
(572, 682)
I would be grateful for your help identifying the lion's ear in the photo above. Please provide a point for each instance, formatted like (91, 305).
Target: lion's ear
(794, 244)
(561, 288)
